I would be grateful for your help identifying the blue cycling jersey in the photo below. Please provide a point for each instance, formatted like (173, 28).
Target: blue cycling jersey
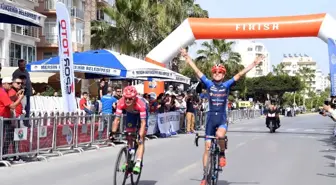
(218, 95)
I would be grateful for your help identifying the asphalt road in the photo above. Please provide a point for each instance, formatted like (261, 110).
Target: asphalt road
(301, 152)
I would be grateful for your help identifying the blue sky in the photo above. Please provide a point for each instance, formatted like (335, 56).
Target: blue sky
(313, 47)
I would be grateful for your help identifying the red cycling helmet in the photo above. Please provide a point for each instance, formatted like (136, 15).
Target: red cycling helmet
(218, 67)
(130, 92)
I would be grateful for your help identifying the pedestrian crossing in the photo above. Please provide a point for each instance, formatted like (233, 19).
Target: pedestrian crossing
(289, 130)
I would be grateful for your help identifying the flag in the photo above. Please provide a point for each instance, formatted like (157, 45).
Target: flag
(66, 58)
(332, 65)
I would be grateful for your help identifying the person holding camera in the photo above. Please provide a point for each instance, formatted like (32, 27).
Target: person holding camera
(329, 110)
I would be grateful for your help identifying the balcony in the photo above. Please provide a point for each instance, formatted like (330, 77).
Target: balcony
(50, 5)
(77, 13)
(48, 40)
(25, 30)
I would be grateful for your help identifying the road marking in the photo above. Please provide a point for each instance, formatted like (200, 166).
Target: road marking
(255, 129)
(309, 130)
(187, 168)
(291, 129)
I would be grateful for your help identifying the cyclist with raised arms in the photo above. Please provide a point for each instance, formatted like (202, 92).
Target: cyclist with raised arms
(136, 111)
(218, 90)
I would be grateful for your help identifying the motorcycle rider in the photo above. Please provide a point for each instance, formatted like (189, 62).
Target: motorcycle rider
(271, 110)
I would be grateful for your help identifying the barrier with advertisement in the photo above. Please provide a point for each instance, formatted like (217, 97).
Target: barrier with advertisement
(57, 135)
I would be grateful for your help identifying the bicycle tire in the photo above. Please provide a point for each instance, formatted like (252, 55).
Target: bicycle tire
(215, 164)
(138, 176)
(123, 151)
(209, 168)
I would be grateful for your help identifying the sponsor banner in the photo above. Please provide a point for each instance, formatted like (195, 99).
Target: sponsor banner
(65, 53)
(152, 126)
(77, 68)
(43, 131)
(21, 13)
(168, 123)
(332, 65)
(20, 134)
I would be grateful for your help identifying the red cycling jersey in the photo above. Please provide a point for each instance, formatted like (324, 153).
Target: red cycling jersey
(139, 107)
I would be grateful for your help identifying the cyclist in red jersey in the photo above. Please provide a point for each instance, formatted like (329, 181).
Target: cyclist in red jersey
(136, 111)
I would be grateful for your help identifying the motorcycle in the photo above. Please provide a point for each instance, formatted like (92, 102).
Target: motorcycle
(272, 122)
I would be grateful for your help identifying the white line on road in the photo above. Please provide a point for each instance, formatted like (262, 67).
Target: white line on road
(187, 168)
(238, 128)
(291, 129)
(309, 130)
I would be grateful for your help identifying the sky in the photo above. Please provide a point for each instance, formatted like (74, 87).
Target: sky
(313, 47)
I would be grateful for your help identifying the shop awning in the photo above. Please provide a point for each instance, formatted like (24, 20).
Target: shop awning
(13, 13)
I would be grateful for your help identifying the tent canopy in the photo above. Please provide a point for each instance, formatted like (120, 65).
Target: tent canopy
(98, 63)
(13, 13)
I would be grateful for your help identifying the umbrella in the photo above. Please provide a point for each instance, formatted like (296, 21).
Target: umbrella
(97, 63)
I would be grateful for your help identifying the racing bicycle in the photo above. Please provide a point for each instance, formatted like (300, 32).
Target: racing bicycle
(212, 166)
(127, 152)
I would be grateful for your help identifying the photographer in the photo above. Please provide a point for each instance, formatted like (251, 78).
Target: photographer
(329, 110)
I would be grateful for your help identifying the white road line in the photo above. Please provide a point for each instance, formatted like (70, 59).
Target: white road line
(291, 129)
(238, 128)
(255, 129)
(188, 168)
(309, 130)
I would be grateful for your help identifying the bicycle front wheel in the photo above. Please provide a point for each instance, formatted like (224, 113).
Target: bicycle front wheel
(208, 169)
(135, 178)
(120, 174)
(215, 169)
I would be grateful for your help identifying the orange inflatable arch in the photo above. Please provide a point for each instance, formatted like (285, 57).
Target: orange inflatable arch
(322, 26)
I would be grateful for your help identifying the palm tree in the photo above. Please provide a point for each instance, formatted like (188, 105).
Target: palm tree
(141, 24)
(278, 70)
(218, 51)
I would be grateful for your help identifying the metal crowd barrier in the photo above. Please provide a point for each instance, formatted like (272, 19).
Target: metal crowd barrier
(57, 135)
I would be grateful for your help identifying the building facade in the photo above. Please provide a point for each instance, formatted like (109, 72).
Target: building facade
(18, 41)
(293, 65)
(248, 50)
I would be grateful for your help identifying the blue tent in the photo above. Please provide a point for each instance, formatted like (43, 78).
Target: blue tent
(98, 63)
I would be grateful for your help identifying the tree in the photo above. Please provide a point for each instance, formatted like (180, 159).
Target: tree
(141, 24)
(279, 69)
(259, 87)
(216, 51)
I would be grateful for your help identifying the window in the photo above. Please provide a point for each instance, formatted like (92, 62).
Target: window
(18, 51)
(25, 30)
(259, 48)
(47, 55)
(80, 36)
(249, 49)
(50, 31)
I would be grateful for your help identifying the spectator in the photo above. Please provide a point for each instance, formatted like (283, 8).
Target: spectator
(22, 73)
(5, 106)
(83, 104)
(190, 114)
(102, 90)
(170, 90)
(118, 93)
(12, 93)
(108, 101)
(172, 105)
(181, 107)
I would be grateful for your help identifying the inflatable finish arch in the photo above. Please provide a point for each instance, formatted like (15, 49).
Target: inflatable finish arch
(322, 26)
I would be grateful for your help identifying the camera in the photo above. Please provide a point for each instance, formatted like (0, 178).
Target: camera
(331, 101)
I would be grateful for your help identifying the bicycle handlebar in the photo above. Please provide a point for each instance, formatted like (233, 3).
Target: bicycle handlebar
(207, 137)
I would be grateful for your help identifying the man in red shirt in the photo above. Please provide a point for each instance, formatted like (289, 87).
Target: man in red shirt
(6, 105)
(16, 87)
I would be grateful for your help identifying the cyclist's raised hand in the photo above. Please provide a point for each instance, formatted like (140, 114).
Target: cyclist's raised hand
(258, 59)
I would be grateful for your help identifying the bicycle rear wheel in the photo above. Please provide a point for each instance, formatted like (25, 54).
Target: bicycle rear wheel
(117, 168)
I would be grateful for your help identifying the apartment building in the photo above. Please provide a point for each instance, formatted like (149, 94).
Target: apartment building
(19, 41)
(249, 50)
(294, 62)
